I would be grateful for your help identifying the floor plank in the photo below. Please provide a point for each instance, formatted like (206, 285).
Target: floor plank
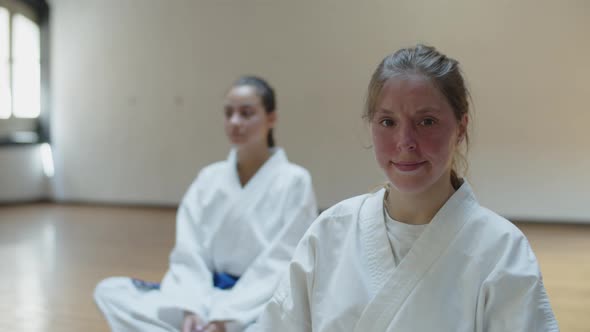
(62, 252)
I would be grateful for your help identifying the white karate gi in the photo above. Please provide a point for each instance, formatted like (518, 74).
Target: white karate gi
(248, 231)
(469, 270)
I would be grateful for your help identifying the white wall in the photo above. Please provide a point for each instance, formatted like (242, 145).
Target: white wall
(138, 87)
(22, 177)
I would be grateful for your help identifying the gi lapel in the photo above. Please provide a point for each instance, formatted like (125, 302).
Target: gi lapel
(245, 198)
(239, 217)
(381, 311)
(241, 200)
(265, 174)
(375, 241)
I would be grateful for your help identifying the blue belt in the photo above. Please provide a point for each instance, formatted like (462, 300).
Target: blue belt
(224, 280)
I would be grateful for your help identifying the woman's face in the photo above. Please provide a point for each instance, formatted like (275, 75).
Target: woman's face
(246, 121)
(415, 134)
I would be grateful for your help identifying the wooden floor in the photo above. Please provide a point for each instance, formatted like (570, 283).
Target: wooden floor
(53, 255)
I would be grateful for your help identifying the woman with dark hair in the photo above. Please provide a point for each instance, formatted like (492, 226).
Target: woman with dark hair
(420, 254)
(237, 227)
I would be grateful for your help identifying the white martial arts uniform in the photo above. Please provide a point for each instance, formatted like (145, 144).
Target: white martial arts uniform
(248, 231)
(468, 270)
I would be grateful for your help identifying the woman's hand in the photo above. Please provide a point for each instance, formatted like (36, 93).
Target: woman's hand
(193, 323)
(215, 326)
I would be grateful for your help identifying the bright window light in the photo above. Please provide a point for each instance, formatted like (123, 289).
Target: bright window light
(26, 67)
(47, 159)
(5, 98)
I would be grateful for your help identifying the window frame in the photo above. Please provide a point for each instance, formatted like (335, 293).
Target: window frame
(12, 128)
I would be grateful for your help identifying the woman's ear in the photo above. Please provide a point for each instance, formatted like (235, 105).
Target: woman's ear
(272, 119)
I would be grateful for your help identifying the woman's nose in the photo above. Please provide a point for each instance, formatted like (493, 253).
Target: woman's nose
(407, 138)
(235, 119)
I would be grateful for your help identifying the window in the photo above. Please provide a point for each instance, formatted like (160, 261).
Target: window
(26, 68)
(5, 91)
(20, 66)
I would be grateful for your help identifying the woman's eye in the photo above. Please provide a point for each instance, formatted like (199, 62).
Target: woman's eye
(387, 122)
(428, 122)
(227, 113)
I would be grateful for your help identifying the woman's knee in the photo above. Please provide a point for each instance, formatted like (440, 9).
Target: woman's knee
(110, 288)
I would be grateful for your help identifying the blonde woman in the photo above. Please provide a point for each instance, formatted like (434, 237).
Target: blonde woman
(421, 254)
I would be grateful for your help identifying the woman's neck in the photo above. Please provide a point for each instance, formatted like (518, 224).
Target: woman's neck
(418, 209)
(250, 161)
